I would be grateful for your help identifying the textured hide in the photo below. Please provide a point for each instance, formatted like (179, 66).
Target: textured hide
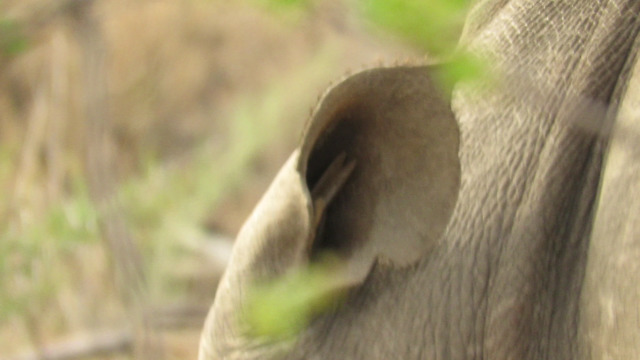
(515, 275)
(610, 321)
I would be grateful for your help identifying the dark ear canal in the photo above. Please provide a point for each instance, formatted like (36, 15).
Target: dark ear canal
(380, 160)
(336, 148)
(331, 143)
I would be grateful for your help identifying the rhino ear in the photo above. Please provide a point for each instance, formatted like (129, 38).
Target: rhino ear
(376, 175)
(380, 160)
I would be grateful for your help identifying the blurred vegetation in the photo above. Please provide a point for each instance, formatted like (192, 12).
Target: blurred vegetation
(12, 40)
(279, 309)
(433, 25)
(206, 99)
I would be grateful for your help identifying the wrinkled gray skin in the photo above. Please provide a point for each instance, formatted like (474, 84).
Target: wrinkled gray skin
(540, 257)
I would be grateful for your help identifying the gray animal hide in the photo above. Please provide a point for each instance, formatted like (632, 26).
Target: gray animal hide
(610, 311)
(516, 274)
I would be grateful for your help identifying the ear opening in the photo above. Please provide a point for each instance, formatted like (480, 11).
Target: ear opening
(340, 139)
(335, 140)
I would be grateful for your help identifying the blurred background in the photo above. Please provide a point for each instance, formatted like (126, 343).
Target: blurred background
(137, 135)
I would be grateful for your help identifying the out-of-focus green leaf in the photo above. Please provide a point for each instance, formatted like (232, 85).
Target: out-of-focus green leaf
(288, 10)
(430, 24)
(12, 39)
(434, 26)
(279, 309)
(462, 67)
